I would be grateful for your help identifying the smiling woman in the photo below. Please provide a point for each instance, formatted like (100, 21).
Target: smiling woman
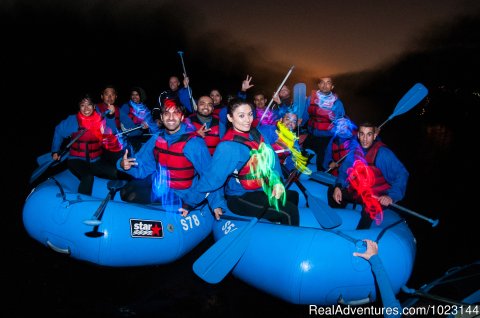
(245, 174)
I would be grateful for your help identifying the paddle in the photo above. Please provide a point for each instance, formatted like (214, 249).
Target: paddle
(44, 158)
(408, 101)
(213, 265)
(113, 186)
(47, 157)
(325, 215)
(189, 89)
(43, 167)
(127, 131)
(323, 177)
(329, 179)
(419, 293)
(418, 215)
(276, 94)
(299, 101)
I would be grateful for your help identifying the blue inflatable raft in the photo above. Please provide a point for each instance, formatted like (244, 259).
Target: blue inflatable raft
(312, 265)
(126, 235)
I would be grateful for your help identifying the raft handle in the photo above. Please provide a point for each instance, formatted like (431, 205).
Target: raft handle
(62, 192)
(357, 302)
(58, 249)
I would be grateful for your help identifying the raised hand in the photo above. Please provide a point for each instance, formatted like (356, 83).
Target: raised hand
(246, 83)
(126, 162)
(186, 80)
(276, 99)
(203, 130)
(111, 108)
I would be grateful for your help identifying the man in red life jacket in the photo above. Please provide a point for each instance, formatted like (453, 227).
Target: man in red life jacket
(180, 94)
(113, 119)
(271, 133)
(109, 98)
(390, 176)
(168, 164)
(206, 124)
(324, 108)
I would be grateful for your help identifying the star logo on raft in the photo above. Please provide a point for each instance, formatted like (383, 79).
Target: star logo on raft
(146, 228)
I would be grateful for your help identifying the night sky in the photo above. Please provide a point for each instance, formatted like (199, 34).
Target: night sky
(55, 51)
(89, 43)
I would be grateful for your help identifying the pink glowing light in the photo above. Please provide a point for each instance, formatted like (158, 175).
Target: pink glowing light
(362, 179)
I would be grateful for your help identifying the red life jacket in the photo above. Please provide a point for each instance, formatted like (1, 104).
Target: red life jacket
(212, 138)
(243, 138)
(217, 109)
(89, 145)
(133, 115)
(339, 150)
(102, 107)
(381, 185)
(112, 143)
(179, 169)
(320, 118)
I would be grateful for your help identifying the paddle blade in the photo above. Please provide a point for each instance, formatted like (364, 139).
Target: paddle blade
(40, 170)
(323, 177)
(222, 256)
(299, 98)
(46, 157)
(410, 99)
(324, 214)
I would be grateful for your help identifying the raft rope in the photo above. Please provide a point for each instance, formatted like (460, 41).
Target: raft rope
(336, 232)
(382, 232)
(355, 240)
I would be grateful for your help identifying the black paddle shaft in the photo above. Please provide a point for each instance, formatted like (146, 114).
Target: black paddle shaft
(113, 187)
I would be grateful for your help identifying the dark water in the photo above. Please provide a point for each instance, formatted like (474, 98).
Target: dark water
(37, 281)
